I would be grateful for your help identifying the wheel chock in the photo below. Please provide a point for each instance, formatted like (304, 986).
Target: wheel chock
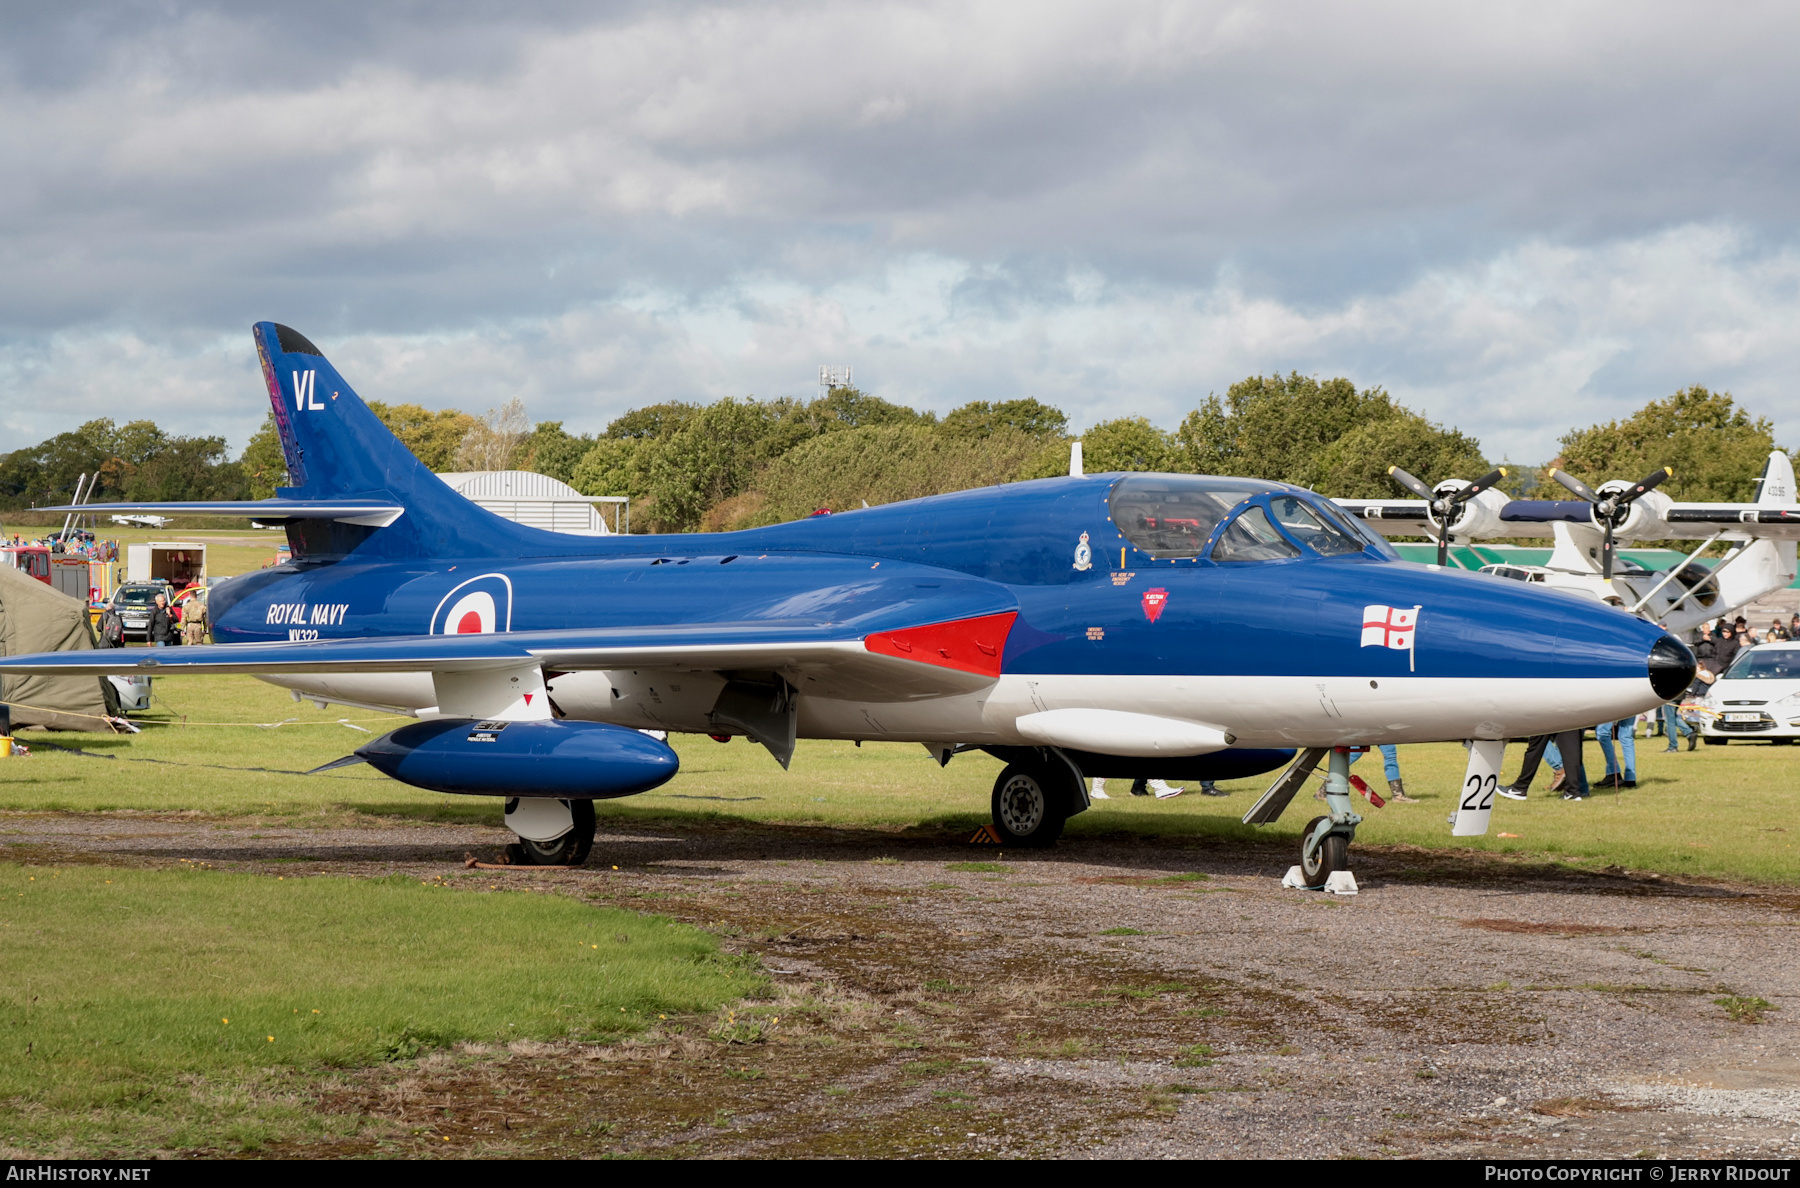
(985, 836)
(1339, 882)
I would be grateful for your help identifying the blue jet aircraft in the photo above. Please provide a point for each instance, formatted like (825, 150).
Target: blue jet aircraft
(1126, 625)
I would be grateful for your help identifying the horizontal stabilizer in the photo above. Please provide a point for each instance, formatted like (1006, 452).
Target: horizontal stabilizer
(371, 512)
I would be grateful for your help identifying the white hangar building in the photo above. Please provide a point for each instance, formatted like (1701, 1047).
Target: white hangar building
(539, 501)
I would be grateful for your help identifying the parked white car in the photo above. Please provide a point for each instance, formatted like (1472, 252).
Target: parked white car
(134, 693)
(1758, 697)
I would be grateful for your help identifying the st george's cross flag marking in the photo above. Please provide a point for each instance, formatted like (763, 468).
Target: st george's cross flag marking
(1391, 627)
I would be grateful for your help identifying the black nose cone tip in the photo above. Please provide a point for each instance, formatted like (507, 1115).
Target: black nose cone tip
(1671, 667)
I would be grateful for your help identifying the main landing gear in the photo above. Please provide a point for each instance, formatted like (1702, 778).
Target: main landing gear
(1033, 798)
(551, 832)
(1325, 842)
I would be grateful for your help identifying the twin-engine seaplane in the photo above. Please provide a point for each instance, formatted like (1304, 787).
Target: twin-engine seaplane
(1126, 625)
(1761, 537)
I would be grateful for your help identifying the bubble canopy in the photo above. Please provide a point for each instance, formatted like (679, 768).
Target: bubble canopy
(1174, 515)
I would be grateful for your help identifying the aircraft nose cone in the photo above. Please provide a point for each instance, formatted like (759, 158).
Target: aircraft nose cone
(1671, 667)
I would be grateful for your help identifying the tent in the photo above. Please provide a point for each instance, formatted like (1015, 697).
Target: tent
(35, 618)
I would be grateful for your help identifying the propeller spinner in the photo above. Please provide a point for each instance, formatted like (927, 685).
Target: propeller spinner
(1609, 507)
(1443, 507)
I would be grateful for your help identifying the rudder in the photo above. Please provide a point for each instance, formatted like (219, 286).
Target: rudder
(337, 448)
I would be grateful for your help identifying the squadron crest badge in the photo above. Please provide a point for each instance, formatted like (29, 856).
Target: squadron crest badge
(1084, 554)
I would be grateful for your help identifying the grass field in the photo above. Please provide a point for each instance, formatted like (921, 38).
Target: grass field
(168, 1010)
(1717, 811)
(174, 1010)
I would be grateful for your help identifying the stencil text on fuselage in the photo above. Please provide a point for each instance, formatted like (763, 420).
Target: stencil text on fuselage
(316, 614)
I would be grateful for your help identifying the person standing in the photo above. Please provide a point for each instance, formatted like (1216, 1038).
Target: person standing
(193, 620)
(162, 624)
(112, 628)
(1675, 727)
(1575, 781)
(1726, 649)
(1390, 770)
(1161, 789)
(1625, 730)
(1706, 648)
(1673, 724)
(1534, 756)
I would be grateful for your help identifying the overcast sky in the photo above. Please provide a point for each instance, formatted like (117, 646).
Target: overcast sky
(1517, 218)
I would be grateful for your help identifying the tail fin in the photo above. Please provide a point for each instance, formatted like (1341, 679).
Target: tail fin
(336, 448)
(1776, 486)
(1767, 565)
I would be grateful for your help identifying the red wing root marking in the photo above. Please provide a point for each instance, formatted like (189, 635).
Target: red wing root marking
(968, 645)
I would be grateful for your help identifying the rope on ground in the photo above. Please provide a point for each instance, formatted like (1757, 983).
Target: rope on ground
(115, 725)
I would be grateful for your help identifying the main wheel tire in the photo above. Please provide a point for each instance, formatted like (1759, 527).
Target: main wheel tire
(1030, 806)
(571, 849)
(1332, 854)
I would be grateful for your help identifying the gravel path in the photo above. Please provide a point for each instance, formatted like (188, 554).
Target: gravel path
(1102, 999)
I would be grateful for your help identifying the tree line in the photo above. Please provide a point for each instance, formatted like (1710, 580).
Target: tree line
(743, 463)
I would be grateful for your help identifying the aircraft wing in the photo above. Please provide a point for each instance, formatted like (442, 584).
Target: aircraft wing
(1656, 520)
(1652, 515)
(1391, 517)
(373, 512)
(1751, 520)
(890, 657)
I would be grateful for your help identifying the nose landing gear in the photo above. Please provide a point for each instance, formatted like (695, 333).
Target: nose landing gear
(1325, 843)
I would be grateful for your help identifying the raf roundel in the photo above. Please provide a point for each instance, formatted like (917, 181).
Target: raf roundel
(479, 606)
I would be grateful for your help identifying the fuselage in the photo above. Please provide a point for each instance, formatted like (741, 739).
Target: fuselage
(1307, 642)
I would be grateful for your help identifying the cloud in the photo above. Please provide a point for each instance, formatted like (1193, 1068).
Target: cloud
(1516, 218)
(1517, 349)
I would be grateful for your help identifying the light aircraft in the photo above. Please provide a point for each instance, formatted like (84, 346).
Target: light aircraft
(1587, 530)
(139, 521)
(1126, 625)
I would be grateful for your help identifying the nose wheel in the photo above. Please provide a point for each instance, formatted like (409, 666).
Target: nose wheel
(1325, 857)
(1325, 842)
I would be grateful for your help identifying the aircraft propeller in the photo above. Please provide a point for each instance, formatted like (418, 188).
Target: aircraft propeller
(1443, 507)
(1609, 506)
